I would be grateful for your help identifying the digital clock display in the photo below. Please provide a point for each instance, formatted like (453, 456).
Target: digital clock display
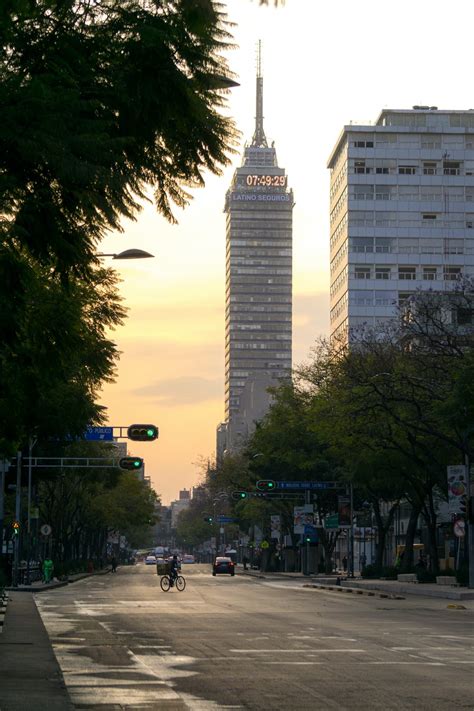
(266, 181)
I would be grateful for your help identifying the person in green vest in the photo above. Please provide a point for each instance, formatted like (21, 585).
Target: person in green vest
(48, 568)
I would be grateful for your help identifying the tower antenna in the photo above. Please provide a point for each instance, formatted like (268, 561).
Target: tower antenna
(259, 138)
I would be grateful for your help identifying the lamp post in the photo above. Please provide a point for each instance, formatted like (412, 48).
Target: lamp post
(127, 254)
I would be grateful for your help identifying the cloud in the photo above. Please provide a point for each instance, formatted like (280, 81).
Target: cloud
(186, 390)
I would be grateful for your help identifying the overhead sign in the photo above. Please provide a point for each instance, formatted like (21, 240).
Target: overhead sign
(305, 484)
(99, 434)
(225, 519)
(332, 521)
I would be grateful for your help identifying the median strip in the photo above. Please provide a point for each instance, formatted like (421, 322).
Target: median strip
(358, 591)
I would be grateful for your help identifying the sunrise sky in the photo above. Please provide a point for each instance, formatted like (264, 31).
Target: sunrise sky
(325, 64)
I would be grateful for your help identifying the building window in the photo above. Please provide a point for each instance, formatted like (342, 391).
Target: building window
(429, 273)
(382, 272)
(429, 168)
(451, 167)
(362, 273)
(407, 273)
(363, 144)
(452, 273)
(361, 168)
(406, 170)
(429, 216)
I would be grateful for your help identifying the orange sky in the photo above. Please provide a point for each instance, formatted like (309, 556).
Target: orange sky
(323, 65)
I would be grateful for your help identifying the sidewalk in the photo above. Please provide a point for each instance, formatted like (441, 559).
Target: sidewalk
(39, 586)
(393, 587)
(27, 661)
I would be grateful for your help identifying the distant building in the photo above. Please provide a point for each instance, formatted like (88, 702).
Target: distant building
(259, 208)
(401, 212)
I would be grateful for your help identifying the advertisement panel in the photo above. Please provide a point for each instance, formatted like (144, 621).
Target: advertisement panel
(344, 511)
(275, 527)
(302, 516)
(457, 489)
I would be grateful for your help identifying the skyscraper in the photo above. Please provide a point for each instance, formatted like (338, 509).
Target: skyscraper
(401, 212)
(259, 208)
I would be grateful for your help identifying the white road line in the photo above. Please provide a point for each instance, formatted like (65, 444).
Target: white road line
(297, 651)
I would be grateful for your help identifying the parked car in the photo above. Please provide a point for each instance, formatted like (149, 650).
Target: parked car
(188, 559)
(223, 564)
(150, 560)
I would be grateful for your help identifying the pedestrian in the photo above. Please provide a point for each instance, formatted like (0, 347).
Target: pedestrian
(245, 561)
(363, 561)
(48, 569)
(344, 564)
(114, 564)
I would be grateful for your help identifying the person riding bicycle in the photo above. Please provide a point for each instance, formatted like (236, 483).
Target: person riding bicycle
(174, 568)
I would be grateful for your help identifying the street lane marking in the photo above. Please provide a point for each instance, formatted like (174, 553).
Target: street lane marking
(296, 651)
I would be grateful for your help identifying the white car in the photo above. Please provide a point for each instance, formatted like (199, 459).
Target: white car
(150, 560)
(188, 559)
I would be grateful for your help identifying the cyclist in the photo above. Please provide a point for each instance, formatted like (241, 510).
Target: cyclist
(174, 568)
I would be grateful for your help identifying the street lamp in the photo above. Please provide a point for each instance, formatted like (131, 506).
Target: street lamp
(127, 254)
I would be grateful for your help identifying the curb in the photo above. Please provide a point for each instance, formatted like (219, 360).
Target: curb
(3, 609)
(59, 584)
(356, 591)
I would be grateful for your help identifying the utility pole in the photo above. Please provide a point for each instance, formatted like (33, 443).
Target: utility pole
(16, 550)
(4, 466)
(470, 526)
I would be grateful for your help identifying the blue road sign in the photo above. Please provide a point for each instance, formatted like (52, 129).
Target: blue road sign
(225, 519)
(101, 434)
(305, 484)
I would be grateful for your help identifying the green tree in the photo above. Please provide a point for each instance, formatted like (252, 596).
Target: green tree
(100, 101)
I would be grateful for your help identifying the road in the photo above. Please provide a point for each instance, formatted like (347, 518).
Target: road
(246, 643)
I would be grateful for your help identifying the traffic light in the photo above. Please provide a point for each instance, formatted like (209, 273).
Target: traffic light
(240, 495)
(208, 519)
(266, 485)
(131, 463)
(142, 433)
(16, 528)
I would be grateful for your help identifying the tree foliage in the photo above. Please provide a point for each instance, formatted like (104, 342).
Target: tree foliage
(101, 100)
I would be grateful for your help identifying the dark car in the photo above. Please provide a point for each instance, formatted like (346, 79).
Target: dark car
(223, 565)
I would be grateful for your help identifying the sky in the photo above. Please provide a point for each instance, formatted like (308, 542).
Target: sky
(325, 65)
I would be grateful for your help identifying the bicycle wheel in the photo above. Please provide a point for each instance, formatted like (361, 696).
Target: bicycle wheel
(180, 583)
(165, 583)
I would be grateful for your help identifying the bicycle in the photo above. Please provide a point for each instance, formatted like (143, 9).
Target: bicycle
(166, 583)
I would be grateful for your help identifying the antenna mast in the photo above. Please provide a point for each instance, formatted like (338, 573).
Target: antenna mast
(259, 138)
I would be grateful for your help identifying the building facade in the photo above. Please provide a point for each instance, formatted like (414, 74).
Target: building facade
(258, 327)
(401, 212)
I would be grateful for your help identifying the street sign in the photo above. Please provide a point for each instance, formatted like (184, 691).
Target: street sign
(46, 529)
(332, 521)
(99, 434)
(305, 484)
(225, 519)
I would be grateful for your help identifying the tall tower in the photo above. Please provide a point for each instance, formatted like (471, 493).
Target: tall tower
(259, 208)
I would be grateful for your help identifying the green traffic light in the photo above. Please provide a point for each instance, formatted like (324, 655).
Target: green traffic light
(136, 463)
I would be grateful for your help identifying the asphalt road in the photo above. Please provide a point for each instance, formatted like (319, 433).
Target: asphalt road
(245, 643)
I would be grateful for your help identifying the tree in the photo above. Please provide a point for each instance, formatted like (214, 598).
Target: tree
(56, 353)
(100, 101)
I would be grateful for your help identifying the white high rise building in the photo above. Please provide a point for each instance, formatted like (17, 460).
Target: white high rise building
(401, 212)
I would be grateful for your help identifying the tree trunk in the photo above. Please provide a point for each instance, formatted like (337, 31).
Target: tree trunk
(407, 559)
